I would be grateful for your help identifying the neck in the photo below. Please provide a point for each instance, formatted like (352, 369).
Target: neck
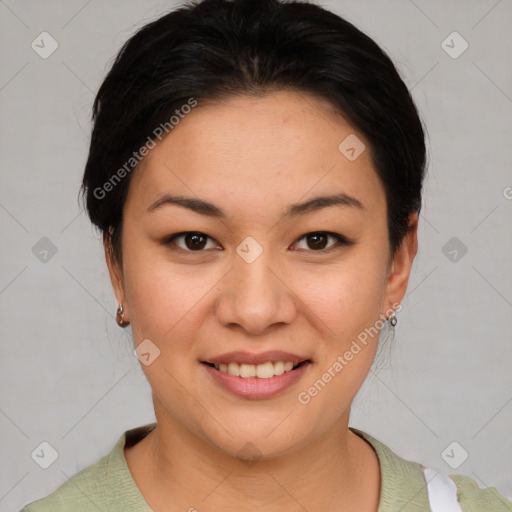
(338, 471)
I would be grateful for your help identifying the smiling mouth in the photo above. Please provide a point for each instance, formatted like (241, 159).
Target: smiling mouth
(265, 370)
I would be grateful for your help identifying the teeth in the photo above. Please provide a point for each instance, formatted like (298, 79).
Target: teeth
(233, 369)
(247, 370)
(265, 370)
(262, 371)
(278, 368)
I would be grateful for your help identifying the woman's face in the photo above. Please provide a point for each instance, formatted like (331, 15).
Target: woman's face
(259, 283)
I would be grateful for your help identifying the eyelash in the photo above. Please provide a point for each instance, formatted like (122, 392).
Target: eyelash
(340, 239)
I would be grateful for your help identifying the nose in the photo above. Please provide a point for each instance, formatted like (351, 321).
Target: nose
(256, 297)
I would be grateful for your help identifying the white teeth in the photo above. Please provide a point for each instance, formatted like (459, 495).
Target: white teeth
(247, 370)
(278, 368)
(262, 371)
(265, 370)
(233, 369)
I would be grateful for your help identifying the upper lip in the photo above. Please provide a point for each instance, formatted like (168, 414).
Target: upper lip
(243, 357)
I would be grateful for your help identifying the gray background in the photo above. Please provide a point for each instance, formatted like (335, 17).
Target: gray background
(68, 376)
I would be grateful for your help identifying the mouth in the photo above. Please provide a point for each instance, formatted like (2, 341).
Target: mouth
(266, 370)
(257, 376)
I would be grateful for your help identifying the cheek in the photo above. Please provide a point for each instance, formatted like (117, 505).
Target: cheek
(162, 300)
(349, 296)
(349, 305)
(167, 301)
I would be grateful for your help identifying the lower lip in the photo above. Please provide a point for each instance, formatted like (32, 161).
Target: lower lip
(255, 388)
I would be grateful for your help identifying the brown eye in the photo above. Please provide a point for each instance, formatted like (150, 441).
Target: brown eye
(194, 241)
(317, 241)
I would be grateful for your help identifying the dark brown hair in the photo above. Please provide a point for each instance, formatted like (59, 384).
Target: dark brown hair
(218, 48)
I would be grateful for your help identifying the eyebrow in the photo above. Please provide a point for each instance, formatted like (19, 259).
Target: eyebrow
(205, 208)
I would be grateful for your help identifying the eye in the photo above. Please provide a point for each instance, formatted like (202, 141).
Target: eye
(317, 240)
(194, 241)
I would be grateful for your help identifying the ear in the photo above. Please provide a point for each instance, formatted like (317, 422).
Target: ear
(114, 269)
(401, 264)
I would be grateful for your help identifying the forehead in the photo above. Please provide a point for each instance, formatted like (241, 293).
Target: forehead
(252, 152)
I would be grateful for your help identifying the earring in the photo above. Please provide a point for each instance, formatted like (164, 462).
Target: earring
(392, 319)
(120, 317)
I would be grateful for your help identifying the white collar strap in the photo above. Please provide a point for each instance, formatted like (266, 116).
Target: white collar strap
(442, 492)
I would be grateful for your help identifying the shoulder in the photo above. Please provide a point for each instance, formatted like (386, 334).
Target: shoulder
(473, 498)
(77, 493)
(404, 486)
(104, 485)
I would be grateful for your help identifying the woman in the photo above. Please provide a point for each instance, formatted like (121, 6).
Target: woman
(256, 170)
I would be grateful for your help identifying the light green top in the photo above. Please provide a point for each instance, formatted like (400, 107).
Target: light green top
(108, 485)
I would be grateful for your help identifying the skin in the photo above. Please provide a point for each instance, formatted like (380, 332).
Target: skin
(253, 157)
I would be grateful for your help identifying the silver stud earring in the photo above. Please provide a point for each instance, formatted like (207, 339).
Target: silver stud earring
(392, 319)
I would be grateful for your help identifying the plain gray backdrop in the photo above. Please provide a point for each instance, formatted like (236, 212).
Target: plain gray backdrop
(68, 374)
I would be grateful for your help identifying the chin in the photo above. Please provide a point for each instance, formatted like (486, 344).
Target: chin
(253, 436)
